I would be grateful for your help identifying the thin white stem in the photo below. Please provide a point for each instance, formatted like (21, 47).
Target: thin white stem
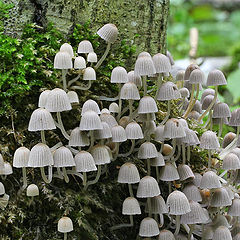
(159, 83)
(85, 87)
(168, 113)
(149, 207)
(220, 128)
(209, 159)
(184, 153)
(177, 225)
(61, 126)
(130, 190)
(43, 137)
(24, 173)
(130, 151)
(96, 178)
(74, 80)
(103, 56)
(44, 177)
(65, 236)
(148, 167)
(66, 178)
(64, 73)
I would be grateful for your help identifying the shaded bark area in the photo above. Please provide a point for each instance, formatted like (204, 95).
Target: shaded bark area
(143, 22)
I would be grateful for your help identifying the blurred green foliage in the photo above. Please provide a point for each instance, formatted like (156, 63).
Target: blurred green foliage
(218, 29)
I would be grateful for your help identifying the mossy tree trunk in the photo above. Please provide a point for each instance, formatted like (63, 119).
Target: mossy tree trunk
(143, 22)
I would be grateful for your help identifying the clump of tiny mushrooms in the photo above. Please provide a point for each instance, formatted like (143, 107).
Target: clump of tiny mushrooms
(203, 204)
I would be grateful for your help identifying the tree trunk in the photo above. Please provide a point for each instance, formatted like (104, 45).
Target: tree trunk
(143, 22)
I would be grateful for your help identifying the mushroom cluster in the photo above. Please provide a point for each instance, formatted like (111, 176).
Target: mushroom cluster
(174, 201)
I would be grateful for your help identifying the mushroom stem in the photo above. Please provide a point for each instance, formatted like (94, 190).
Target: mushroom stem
(103, 98)
(43, 137)
(149, 207)
(157, 173)
(162, 146)
(65, 236)
(191, 226)
(44, 177)
(103, 56)
(169, 187)
(24, 173)
(192, 100)
(85, 87)
(96, 178)
(220, 128)
(177, 225)
(64, 73)
(56, 146)
(184, 153)
(91, 139)
(210, 106)
(159, 83)
(61, 127)
(130, 102)
(144, 85)
(74, 80)
(178, 154)
(168, 112)
(209, 159)
(130, 151)
(66, 178)
(119, 226)
(161, 220)
(119, 103)
(188, 153)
(116, 151)
(84, 179)
(148, 167)
(130, 190)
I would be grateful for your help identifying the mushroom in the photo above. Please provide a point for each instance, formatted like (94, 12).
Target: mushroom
(65, 226)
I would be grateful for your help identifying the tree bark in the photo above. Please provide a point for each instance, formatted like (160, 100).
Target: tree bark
(143, 22)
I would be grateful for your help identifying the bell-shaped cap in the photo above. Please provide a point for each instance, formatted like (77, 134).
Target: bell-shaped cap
(66, 47)
(185, 172)
(237, 237)
(89, 74)
(128, 173)
(208, 232)
(103, 133)
(147, 150)
(78, 138)
(192, 192)
(43, 98)
(221, 110)
(197, 106)
(40, 156)
(158, 205)
(73, 97)
(129, 91)
(119, 75)
(216, 78)
(231, 162)
(134, 78)
(90, 105)
(147, 105)
(118, 134)
(109, 119)
(159, 133)
(90, 121)
(148, 228)
(166, 235)
(207, 101)
(32, 190)
(148, 187)
(100, 155)
(2, 189)
(41, 119)
(79, 63)
(196, 77)
(228, 138)
(209, 140)
(189, 69)
(173, 129)
(65, 225)
(58, 101)
(197, 180)
(6, 169)
(63, 157)
(158, 161)
(220, 198)
(196, 215)
(222, 233)
(108, 32)
(161, 63)
(21, 157)
(234, 209)
(134, 131)
(62, 60)
(114, 108)
(168, 91)
(131, 206)
(191, 138)
(168, 173)
(236, 151)
(206, 92)
(85, 47)
(92, 57)
(178, 203)
(84, 162)
(105, 110)
(184, 92)
(210, 180)
(180, 75)
(235, 118)
(144, 66)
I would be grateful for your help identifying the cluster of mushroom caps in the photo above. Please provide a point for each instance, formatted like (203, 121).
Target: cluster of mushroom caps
(206, 205)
